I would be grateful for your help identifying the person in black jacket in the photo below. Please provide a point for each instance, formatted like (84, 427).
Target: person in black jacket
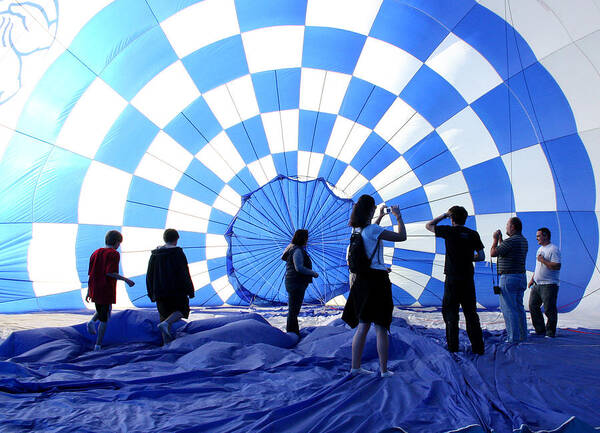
(298, 275)
(169, 283)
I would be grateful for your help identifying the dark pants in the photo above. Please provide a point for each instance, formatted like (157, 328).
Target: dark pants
(545, 294)
(461, 292)
(295, 299)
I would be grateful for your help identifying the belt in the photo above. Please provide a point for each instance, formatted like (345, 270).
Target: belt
(510, 273)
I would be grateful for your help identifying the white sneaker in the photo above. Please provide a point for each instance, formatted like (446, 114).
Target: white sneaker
(97, 348)
(91, 328)
(163, 327)
(355, 371)
(388, 373)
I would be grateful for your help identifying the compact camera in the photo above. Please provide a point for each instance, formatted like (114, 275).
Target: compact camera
(497, 290)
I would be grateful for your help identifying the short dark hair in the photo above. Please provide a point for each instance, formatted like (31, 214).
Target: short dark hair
(300, 237)
(112, 237)
(517, 224)
(545, 231)
(361, 212)
(458, 214)
(170, 235)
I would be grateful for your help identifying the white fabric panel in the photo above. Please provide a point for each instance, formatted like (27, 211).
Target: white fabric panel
(309, 164)
(351, 181)
(221, 157)
(263, 170)
(187, 214)
(418, 238)
(416, 129)
(51, 258)
(580, 83)
(386, 65)
(216, 246)
(228, 201)
(465, 68)
(323, 91)
(199, 274)
(591, 141)
(123, 301)
(447, 192)
(346, 139)
(353, 15)
(396, 179)
(91, 118)
(165, 161)
(103, 195)
(166, 95)
(286, 140)
(200, 25)
(233, 102)
(468, 139)
(437, 270)
(394, 119)
(273, 48)
(223, 288)
(138, 243)
(338, 301)
(412, 281)
(244, 98)
(486, 225)
(5, 136)
(532, 180)
(579, 19)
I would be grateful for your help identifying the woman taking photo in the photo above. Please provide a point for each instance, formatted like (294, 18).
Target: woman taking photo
(370, 299)
(298, 275)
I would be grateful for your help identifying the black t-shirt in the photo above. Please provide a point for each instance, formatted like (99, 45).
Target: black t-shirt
(461, 245)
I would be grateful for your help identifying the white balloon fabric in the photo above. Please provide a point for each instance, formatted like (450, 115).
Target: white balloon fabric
(139, 115)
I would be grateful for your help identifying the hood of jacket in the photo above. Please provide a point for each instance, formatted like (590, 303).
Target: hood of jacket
(165, 251)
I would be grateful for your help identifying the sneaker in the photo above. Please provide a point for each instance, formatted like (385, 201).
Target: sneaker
(97, 348)
(536, 334)
(91, 328)
(355, 371)
(388, 373)
(163, 327)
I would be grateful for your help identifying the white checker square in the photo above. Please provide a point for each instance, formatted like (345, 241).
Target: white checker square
(352, 15)
(449, 191)
(346, 139)
(103, 195)
(419, 238)
(323, 91)
(200, 25)
(221, 157)
(223, 288)
(396, 179)
(233, 102)
(166, 95)
(351, 181)
(532, 180)
(281, 140)
(187, 214)
(91, 119)
(138, 243)
(437, 271)
(338, 301)
(412, 281)
(199, 274)
(273, 48)
(51, 260)
(216, 246)
(468, 139)
(309, 164)
(486, 225)
(123, 301)
(244, 98)
(386, 65)
(228, 201)
(263, 170)
(470, 73)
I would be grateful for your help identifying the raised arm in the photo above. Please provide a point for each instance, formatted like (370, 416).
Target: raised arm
(497, 241)
(434, 222)
(400, 234)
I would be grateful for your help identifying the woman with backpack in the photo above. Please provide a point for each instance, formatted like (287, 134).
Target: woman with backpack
(298, 275)
(370, 299)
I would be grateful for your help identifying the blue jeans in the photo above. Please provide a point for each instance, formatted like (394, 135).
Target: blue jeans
(511, 303)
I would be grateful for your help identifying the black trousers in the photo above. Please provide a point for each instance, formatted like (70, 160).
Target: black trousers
(461, 292)
(545, 294)
(295, 299)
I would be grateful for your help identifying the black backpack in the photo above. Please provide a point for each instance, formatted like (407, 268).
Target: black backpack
(358, 261)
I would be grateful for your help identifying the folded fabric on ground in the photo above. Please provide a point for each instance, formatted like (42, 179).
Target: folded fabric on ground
(238, 373)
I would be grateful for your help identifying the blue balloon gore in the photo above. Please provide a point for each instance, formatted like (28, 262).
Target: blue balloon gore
(238, 373)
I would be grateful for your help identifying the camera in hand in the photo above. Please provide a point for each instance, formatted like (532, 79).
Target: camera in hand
(497, 290)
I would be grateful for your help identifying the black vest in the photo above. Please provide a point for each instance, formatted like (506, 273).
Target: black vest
(291, 275)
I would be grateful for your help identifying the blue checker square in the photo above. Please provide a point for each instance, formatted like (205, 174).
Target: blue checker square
(314, 130)
(216, 267)
(414, 205)
(433, 294)
(255, 14)
(218, 221)
(200, 183)
(416, 260)
(194, 245)
(430, 159)
(490, 187)
(365, 103)
(286, 163)
(374, 154)
(277, 90)
(243, 182)
(249, 139)
(322, 49)
(432, 96)
(147, 204)
(332, 169)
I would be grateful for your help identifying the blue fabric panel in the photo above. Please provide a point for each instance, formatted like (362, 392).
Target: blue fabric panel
(490, 187)
(286, 163)
(401, 297)
(219, 221)
(147, 204)
(277, 90)
(249, 139)
(442, 101)
(365, 103)
(505, 119)
(206, 296)
(110, 31)
(332, 169)
(193, 245)
(217, 63)
(14, 276)
(314, 130)
(25, 305)
(61, 301)
(430, 159)
(440, 245)
(408, 28)
(322, 49)
(414, 205)
(163, 10)
(90, 237)
(56, 195)
(374, 154)
(369, 189)
(255, 14)
(449, 12)
(138, 62)
(484, 283)
(138, 294)
(493, 37)
(216, 269)
(416, 260)
(433, 294)
(131, 131)
(243, 182)
(199, 183)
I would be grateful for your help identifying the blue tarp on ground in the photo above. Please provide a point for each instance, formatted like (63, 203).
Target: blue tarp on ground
(238, 373)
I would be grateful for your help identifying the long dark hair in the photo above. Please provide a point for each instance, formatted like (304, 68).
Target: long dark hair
(361, 212)
(300, 237)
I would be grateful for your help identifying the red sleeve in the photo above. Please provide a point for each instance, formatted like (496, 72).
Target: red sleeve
(112, 262)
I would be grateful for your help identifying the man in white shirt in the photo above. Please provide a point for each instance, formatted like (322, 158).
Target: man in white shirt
(544, 285)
